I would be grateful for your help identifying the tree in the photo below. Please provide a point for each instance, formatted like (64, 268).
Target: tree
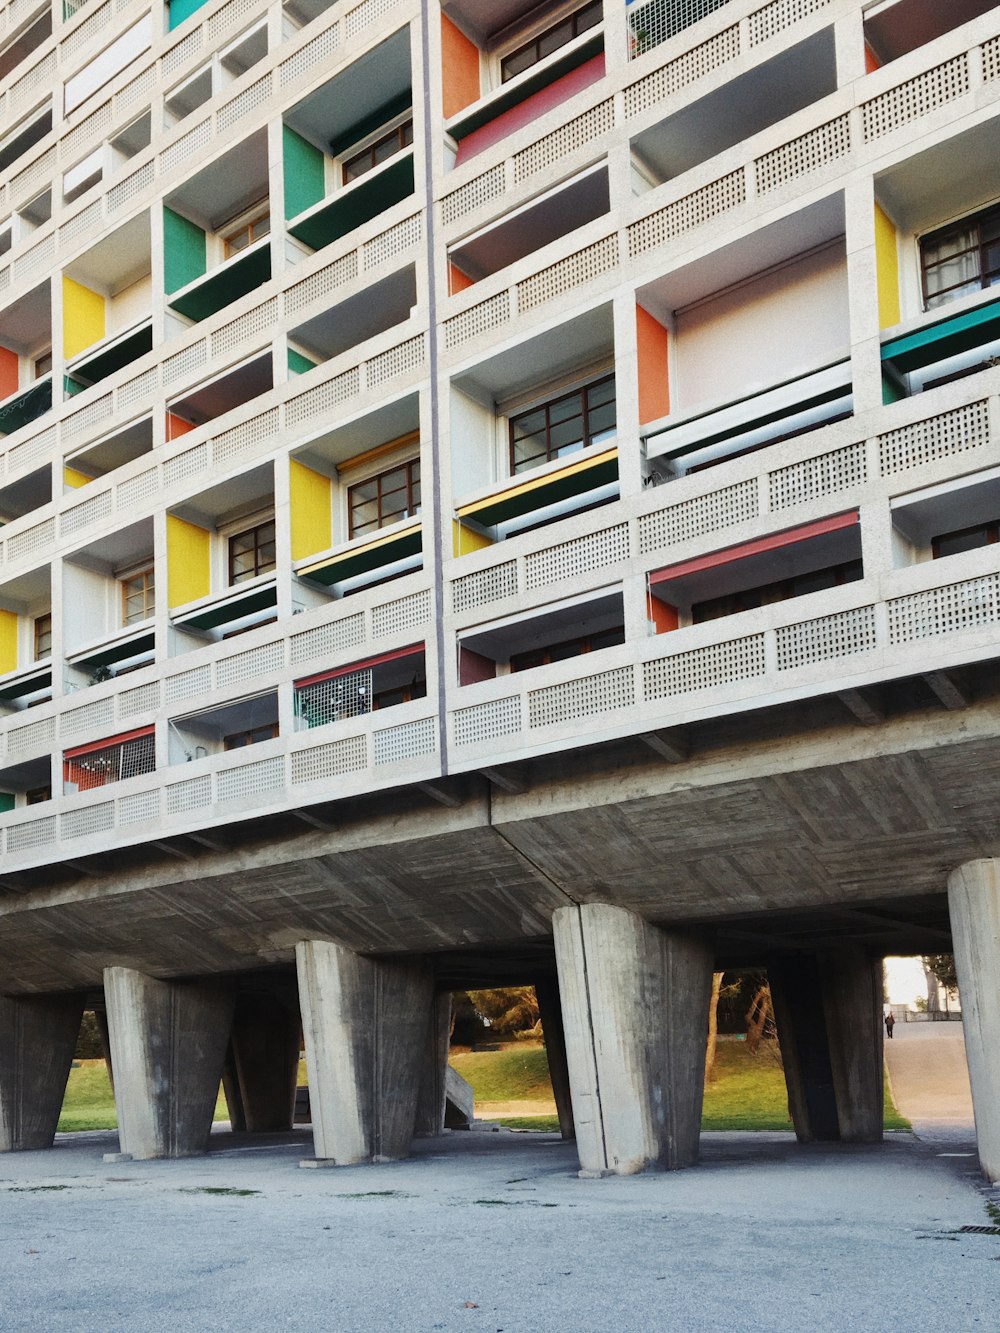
(943, 967)
(508, 1010)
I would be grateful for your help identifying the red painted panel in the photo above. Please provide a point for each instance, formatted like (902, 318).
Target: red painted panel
(662, 614)
(474, 667)
(531, 108)
(654, 385)
(459, 69)
(772, 542)
(412, 651)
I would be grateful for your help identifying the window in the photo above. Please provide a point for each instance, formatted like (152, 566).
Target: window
(551, 40)
(251, 737)
(248, 229)
(730, 604)
(961, 258)
(561, 652)
(43, 364)
(380, 151)
(138, 597)
(37, 795)
(43, 637)
(383, 499)
(251, 552)
(563, 426)
(965, 539)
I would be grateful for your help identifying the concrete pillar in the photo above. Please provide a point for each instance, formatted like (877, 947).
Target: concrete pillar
(265, 1045)
(37, 1038)
(434, 1070)
(168, 1047)
(828, 1009)
(365, 1026)
(550, 1012)
(635, 1014)
(974, 905)
(231, 1089)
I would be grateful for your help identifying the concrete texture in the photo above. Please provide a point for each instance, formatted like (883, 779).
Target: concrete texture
(37, 1037)
(554, 1035)
(479, 1233)
(635, 1015)
(433, 1074)
(168, 1047)
(365, 1026)
(974, 905)
(265, 1045)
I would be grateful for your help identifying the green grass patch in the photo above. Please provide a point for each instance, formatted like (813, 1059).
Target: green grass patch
(541, 1124)
(516, 1073)
(225, 1191)
(90, 1104)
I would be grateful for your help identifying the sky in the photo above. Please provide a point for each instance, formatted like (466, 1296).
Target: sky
(905, 980)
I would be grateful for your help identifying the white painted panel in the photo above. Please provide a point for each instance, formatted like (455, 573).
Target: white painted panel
(130, 306)
(86, 607)
(764, 331)
(111, 61)
(473, 434)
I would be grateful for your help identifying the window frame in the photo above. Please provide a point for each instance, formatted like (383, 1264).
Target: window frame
(235, 581)
(367, 147)
(965, 223)
(247, 221)
(412, 510)
(991, 529)
(546, 405)
(239, 740)
(39, 633)
(553, 20)
(148, 574)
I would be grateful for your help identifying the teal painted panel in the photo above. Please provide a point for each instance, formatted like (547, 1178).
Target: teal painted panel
(366, 199)
(227, 284)
(297, 363)
(184, 251)
(305, 176)
(947, 337)
(6, 801)
(179, 10)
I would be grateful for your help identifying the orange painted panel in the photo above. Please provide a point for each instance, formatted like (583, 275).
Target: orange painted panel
(177, 426)
(457, 280)
(662, 614)
(654, 384)
(459, 69)
(872, 62)
(8, 372)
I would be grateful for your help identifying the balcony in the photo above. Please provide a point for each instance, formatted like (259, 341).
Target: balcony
(115, 759)
(943, 349)
(363, 687)
(393, 552)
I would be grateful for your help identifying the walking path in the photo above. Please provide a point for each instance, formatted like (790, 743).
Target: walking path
(930, 1080)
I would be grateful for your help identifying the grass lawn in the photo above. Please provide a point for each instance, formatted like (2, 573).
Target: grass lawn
(747, 1092)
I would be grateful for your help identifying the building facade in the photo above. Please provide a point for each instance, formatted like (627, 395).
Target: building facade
(493, 491)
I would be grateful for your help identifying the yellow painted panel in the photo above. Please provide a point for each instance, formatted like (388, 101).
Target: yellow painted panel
(312, 528)
(466, 539)
(8, 642)
(73, 478)
(527, 486)
(189, 549)
(83, 318)
(887, 261)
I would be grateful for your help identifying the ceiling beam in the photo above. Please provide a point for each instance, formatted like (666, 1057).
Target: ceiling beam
(948, 692)
(507, 780)
(671, 744)
(862, 706)
(439, 793)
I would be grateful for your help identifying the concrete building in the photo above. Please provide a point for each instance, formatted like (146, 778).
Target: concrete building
(493, 492)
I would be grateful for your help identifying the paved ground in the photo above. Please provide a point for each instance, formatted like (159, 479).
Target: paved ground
(930, 1079)
(491, 1232)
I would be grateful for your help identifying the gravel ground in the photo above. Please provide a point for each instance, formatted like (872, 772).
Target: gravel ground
(489, 1232)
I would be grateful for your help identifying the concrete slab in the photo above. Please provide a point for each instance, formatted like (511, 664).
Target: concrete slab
(930, 1079)
(495, 1233)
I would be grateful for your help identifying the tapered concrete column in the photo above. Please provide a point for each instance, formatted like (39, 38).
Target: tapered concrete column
(168, 1046)
(828, 1009)
(974, 905)
(550, 1012)
(434, 1070)
(365, 1026)
(37, 1039)
(265, 1047)
(635, 1014)
(231, 1089)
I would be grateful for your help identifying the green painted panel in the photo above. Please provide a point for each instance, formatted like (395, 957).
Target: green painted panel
(297, 363)
(89, 370)
(228, 611)
(26, 685)
(305, 176)
(179, 10)
(561, 487)
(352, 563)
(184, 246)
(130, 648)
(348, 209)
(27, 406)
(947, 337)
(6, 801)
(225, 285)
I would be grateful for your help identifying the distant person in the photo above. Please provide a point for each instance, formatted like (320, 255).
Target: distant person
(890, 1023)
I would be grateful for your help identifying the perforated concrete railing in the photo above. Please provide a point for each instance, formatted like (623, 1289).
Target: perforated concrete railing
(77, 137)
(591, 126)
(325, 643)
(841, 471)
(971, 604)
(343, 766)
